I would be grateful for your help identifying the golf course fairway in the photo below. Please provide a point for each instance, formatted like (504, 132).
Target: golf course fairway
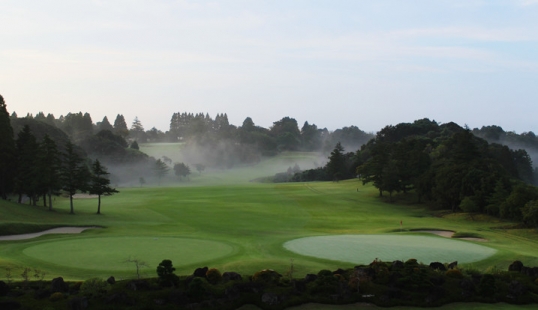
(363, 249)
(220, 219)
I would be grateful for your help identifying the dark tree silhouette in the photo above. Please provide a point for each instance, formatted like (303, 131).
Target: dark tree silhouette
(7, 151)
(75, 175)
(100, 184)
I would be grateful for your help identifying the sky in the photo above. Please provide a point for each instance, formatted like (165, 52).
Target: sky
(331, 63)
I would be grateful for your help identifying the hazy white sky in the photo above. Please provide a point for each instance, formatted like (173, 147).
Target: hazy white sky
(332, 63)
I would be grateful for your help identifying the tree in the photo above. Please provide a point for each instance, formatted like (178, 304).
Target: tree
(120, 126)
(7, 151)
(165, 271)
(100, 183)
(105, 124)
(26, 178)
(468, 205)
(141, 181)
(48, 164)
(137, 130)
(134, 145)
(336, 167)
(200, 168)
(161, 169)
(75, 175)
(182, 170)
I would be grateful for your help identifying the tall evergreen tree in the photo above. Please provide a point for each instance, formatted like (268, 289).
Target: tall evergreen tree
(75, 175)
(7, 151)
(48, 165)
(105, 125)
(336, 167)
(100, 184)
(26, 177)
(120, 126)
(161, 169)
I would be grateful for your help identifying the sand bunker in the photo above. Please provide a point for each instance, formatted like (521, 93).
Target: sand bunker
(84, 196)
(449, 234)
(59, 230)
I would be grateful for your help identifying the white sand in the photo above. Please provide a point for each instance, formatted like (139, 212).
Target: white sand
(60, 230)
(449, 234)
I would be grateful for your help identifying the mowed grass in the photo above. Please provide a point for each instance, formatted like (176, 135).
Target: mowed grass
(231, 224)
(363, 249)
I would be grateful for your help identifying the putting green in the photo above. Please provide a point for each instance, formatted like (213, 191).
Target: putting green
(365, 248)
(110, 253)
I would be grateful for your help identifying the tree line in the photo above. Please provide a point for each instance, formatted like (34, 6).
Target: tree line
(446, 166)
(41, 169)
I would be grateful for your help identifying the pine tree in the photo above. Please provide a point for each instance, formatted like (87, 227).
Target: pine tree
(120, 126)
(48, 165)
(75, 174)
(105, 125)
(26, 177)
(7, 151)
(100, 183)
(161, 169)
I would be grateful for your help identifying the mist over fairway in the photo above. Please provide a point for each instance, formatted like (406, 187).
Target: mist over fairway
(248, 221)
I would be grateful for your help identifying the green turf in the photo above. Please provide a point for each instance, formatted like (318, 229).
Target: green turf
(88, 253)
(363, 249)
(250, 221)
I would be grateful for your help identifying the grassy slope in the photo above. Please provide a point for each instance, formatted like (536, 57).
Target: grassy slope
(222, 206)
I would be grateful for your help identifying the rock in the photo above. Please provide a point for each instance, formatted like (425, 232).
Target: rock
(111, 280)
(77, 303)
(272, 299)
(200, 272)
(137, 285)
(10, 305)
(453, 265)
(310, 278)
(120, 299)
(58, 285)
(515, 266)
(4, 288)
(437, 266)
(231, 276)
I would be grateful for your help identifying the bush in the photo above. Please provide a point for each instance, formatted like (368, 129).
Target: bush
(411, 262)
(76, 286)
(486, 287)
(165, 271)
(94, 287)
(197, 288)
(454, 273)
(267, 276)
(213, 276)
(56, 296)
